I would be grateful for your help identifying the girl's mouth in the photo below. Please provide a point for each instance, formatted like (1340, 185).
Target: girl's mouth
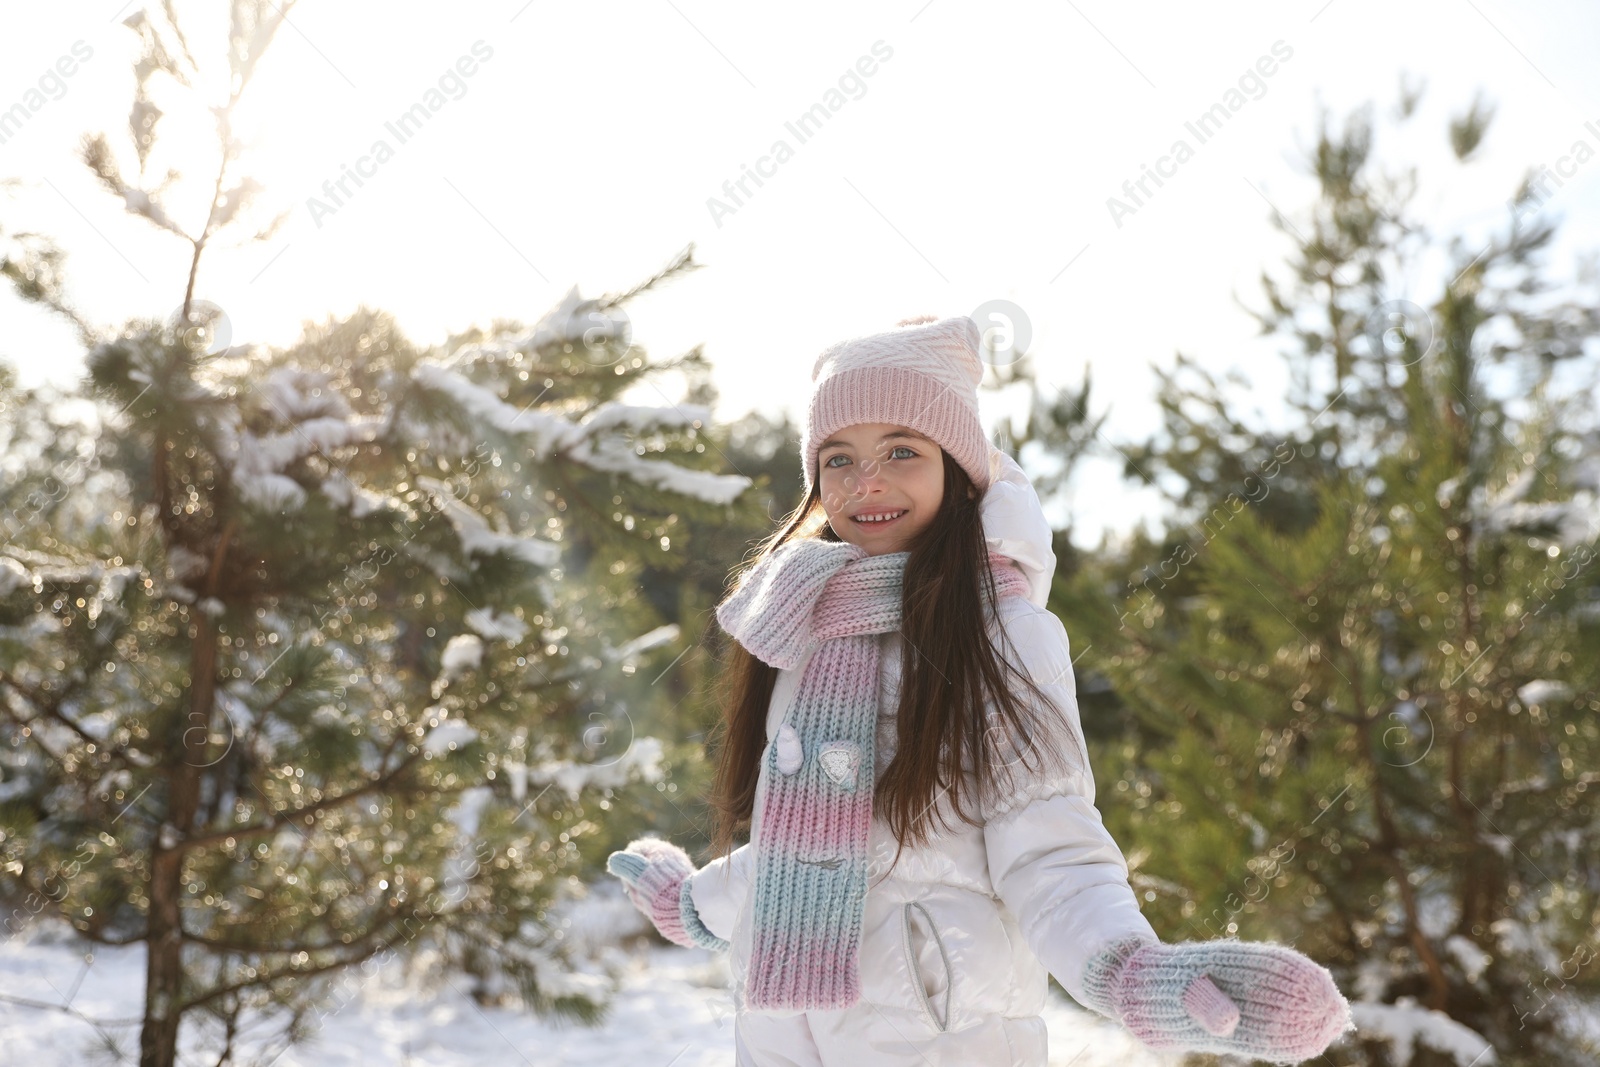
(873, 522)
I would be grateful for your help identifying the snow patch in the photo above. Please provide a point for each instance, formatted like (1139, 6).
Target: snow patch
(448, 735)
(1544, 691)
(1404, 1024)
(1499, 842)
(361, 501)
(664, 997)
(661, 635)
(462, 653)
(550, 433)
(553, 434)
(496, 627)
(185, 563)
(319, 421)
(476, 536)
(617, 457)
(298, 393)
(1472, 959)
(13, 576)
(467, 811)
(642, 759)
(270, 491)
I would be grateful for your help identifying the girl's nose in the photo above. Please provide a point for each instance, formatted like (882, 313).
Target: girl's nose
(865, 484)
(868, 476)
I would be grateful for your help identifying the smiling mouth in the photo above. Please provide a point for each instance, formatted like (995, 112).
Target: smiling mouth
(871, 522)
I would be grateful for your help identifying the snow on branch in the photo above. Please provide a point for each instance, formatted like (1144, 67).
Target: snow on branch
(449, 735)
(643, 418)
(296, 393)
(496, 626)
(550, 433)
(462, 653)
(661, 635)
(1573, 519)
(574, 322)
(339, 488)
(1406, 1023)
(24, 569)
(258, 462)
(702, 485)
(642, 760)
(476, 536)
(625, 655)
(554, 434)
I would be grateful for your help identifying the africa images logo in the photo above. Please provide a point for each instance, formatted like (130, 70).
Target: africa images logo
(404, 127)
(804, 127)
(1204, 127)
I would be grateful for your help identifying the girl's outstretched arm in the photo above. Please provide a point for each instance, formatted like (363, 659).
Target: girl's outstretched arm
(1054, 864)
(656, 875)
(719, 889)
(1250, 998)
(1051, 859)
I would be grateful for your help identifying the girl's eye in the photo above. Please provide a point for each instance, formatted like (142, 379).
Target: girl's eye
(840, 455)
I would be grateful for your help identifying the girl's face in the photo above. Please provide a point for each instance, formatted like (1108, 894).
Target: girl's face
(880, 469)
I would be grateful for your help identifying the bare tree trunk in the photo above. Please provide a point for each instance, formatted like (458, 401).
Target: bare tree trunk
(158, 1039)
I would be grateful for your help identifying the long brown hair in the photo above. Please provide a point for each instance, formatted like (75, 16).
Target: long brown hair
(949, 666)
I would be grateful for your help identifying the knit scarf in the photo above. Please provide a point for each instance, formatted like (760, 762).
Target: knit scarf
(816, 815)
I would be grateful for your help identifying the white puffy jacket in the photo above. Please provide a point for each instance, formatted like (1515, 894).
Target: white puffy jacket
(957, 939)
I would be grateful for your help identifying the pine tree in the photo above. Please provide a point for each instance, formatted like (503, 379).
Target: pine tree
(1362, 679)
(686, 697)
(301, 666)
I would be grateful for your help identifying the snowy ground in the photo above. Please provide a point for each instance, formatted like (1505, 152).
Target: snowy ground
(670, 1009)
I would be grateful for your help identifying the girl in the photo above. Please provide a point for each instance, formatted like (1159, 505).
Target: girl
(896, 668)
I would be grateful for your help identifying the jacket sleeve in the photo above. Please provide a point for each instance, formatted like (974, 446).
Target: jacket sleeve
(718, 890)
(1051, 859)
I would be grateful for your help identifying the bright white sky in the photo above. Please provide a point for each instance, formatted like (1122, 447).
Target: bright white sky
(976, 166)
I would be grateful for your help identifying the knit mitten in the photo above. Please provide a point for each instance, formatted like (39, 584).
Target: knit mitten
(655, 874)
(1250, 998)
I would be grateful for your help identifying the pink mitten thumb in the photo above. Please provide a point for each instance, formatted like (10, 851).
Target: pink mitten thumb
(1210, 1007)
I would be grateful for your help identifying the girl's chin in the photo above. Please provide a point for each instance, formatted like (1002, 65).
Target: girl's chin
(880, 544)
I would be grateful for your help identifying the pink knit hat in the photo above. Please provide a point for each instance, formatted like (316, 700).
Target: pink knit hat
(923, 374)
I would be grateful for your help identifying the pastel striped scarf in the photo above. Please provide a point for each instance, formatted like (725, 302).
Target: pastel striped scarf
(811, 860)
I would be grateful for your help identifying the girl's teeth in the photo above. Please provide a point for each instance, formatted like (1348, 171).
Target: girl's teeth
(881, 518)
